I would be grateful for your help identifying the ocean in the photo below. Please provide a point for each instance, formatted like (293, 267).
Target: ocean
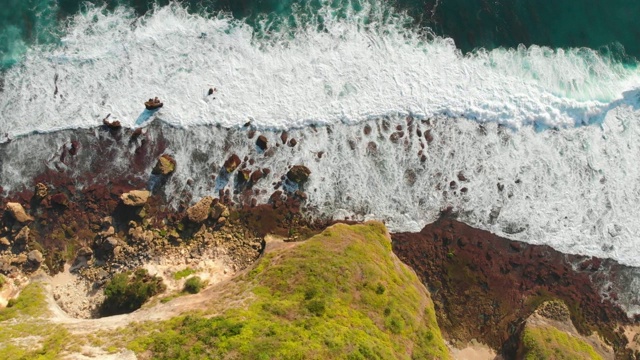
(531, 107)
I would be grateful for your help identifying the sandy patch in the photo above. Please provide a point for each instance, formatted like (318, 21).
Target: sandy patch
(632, 332)
(75, 295)
(474, 351)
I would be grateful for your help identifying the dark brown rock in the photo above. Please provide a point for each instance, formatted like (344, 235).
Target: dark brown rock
(262, 142)
(255, 176)
(293, 142)
(60, 199)
(284, 136)
(367, 129)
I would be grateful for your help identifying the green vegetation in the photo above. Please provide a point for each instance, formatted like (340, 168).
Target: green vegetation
(2, 281)
(550, 343)
(127, 292)
(193, 285)
(183, 273)
(340, 294)
(31, 302)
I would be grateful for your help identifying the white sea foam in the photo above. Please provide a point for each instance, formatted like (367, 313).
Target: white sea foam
(576, 188)
(112, 62)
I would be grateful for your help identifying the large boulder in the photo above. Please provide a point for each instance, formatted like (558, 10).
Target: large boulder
(299, 174)
(135, 197)
(17, 211)
(232, 163)
(200, 211)
(165, 165)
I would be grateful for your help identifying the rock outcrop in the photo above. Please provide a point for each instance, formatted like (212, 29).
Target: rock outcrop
(232, 163)
(200, 211)
(17, 211)
(135, 197)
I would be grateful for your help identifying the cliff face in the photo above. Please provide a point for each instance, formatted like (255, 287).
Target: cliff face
(341, 294)
(485, 287)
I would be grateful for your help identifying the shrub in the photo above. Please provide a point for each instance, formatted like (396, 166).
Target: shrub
(193, 285)
(127, 292)
(183, 273)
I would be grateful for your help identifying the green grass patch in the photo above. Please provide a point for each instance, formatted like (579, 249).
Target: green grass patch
(31, 302)
(550, 343)
(183, 273)
(193, 285)
(341, 294)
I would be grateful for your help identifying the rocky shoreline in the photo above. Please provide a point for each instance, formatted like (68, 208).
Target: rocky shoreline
(99, 206)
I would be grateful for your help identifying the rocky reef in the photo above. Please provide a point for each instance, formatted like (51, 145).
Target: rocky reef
(113, 201)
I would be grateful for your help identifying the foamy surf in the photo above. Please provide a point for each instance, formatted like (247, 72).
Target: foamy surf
(359, 67)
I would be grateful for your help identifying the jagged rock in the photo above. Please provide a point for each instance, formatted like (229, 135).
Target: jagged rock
(111, 242)
(113, 125)
(138, 234)
(232, 163)
(244, 175)
(299, 174)
(19, 260)
(262, 142)
(35, 257)
(554, 310)
(22, 237)
(200, 211)
(109, 232)
(165, 165)
(17, 211)
(135, 197)
(85, 252)
(41, 191)
(4, 241)
(219, 210)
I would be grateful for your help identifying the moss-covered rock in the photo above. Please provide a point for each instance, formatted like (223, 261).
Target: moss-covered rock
(341, 294)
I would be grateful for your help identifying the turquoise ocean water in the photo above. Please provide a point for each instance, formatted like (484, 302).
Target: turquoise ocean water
(607, 26)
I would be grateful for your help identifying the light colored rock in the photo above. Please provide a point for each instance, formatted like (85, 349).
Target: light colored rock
(200, 211)
(35, 256)
(17, 211)
(165, 165)
(41, 191)
(135, 197)
(4, 241)
(22, 236)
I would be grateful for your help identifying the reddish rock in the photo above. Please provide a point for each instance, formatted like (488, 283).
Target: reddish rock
(255, 176)
(232, 163)
(200, 211)
(60, 199)
(293, 142)
(251, 134)
(396, 136)
(367, 129)
(266, 171)
(244, 175)
(483, 288)
(284, 136)
(112, 125)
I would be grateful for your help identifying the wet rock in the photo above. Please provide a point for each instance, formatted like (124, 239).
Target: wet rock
(135, 197)
(396, 136)
(41, 191)
(35, 257)
(293, 142)
(299, 174)
(200, 211)
(232, 163)
(461, 176)
(255, 176)
(428, 136)
(284, 136)
(17, 211)
(165, 165)
(262, 142)
(372, 148)
(112, 125)
(453, 185)
(367, 129)
(251, 134)
(464, 190)
(320, 154)
(244, 175)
